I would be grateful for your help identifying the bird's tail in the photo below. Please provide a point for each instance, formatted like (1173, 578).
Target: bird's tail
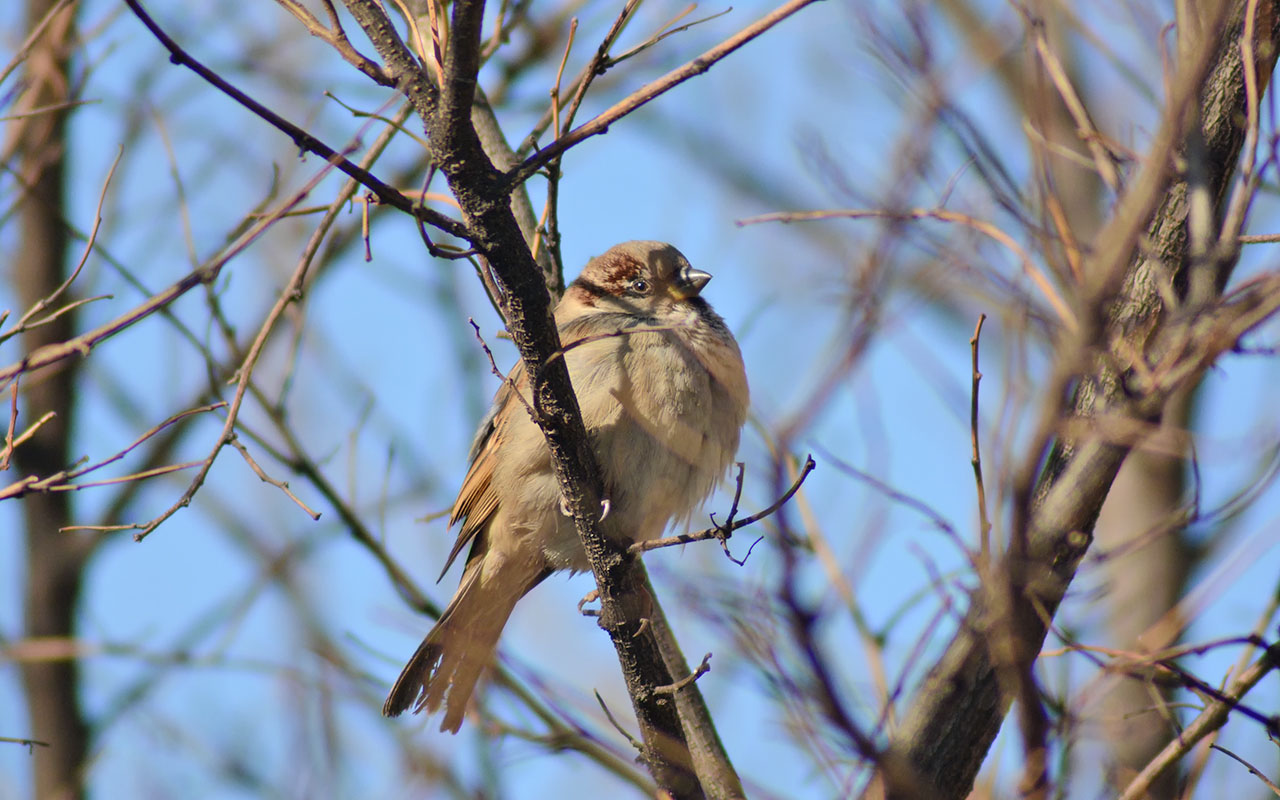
(447, 664)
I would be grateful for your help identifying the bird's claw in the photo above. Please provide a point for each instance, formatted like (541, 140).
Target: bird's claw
(605, 505)
(590, 597)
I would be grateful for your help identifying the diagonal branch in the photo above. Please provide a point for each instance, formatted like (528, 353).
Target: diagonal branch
(600, 123)
(387, 195)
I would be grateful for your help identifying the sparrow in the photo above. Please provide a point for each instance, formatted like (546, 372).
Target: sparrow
(663, 393)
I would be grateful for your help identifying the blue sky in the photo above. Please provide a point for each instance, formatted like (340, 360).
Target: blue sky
(387, 352)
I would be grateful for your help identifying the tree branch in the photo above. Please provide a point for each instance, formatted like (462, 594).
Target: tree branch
(601, 122)
(483, 195)
(387, 195)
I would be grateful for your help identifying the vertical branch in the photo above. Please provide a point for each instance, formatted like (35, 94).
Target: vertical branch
(483, 196)
(984, 521)
(54, 560)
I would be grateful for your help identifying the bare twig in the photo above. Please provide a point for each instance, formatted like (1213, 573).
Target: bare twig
(387, 195)
(1103, 160)
(636, 743)
(82, 344)
(290, 293)
(58, 482)
(698, 672)
(506, 379)
(1211, 719)
(26, 322)
(30, 744)
(1270, 784)
(1033, 271)
(37, 31)
(336, 37)
(668, 29)
(582, 83)
(721, 531)
(281, 485)
(984, 522)
(13, 424)
(600, 123)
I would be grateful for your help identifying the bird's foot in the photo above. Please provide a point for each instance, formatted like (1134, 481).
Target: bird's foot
(589, 597)
(604, 508)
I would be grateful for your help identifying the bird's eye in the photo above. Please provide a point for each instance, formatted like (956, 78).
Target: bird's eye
(638, 286)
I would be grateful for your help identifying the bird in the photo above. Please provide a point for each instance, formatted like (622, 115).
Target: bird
(663, 392)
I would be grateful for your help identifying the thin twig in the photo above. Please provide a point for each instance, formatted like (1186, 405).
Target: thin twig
(82, 344)
(336, 37)
(722, 530)
(1060, 307)
(727, 527)
(1211, 719)
(698, 672)
(666, 30)
(633, 741)
(25, 322)
(984, 522)
(601, 122)
(507, 379)
(290, 294)
(387, 195)
(13, 424)
(1103, 160)
(281, 485)
(37, 31)
(58, 481)
(154, 472)
(1252, 769)
(30, 744)
(590, 72)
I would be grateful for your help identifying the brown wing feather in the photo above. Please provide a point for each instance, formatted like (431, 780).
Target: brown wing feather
(477, 501)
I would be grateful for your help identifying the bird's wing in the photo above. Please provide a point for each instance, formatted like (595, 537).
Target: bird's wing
(477, 500)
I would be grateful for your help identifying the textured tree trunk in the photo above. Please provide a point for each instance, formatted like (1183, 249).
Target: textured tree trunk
(54, 560)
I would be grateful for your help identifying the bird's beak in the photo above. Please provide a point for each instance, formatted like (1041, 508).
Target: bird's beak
(690, 283)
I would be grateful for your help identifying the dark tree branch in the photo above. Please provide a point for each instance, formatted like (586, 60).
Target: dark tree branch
(484, 197)
(387, 195)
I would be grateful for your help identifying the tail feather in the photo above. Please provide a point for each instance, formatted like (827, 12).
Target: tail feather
(446, 666)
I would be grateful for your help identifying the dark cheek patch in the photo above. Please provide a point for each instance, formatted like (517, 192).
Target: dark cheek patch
(587, 292)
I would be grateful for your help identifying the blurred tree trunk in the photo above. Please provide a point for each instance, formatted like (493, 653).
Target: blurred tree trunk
(1145, 578)
(54, 560)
